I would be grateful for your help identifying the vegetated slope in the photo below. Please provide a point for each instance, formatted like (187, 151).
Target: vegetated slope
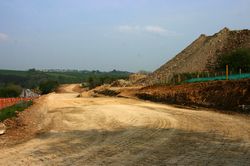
(202, 54)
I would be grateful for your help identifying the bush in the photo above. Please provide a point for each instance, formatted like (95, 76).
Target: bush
(96, 81)
(93, 82)
(238, 59)
(48, 86)
(10, 90)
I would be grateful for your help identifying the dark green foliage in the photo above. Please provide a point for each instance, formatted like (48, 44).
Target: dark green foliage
(48, 86)
(32, 70)
(9, 112)
(238, 59)
(10, 90)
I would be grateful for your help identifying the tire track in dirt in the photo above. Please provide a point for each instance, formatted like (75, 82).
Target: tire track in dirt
(116, 131)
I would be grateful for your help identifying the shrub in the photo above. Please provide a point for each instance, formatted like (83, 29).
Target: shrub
(238, 59)
(48, 86)
(10, 90)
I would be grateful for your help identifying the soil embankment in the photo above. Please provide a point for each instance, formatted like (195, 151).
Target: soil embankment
(229, 95)
(26, 124)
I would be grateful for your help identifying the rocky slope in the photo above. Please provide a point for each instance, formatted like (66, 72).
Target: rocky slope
(201, 55)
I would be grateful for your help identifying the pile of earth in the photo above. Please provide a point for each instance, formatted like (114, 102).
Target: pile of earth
(134, 79)
(121, 83)
(202, 54)
(228, 95)
(108, 90)
(137, 78)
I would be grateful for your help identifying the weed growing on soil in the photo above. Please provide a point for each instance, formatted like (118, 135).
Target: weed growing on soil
(11, 111)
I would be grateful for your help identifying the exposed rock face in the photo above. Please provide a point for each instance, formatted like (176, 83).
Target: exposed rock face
(27, 93)
(202, 54)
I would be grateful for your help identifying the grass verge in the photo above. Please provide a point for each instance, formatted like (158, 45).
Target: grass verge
(11, 111)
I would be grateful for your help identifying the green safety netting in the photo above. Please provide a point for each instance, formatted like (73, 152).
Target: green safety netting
(230, 77)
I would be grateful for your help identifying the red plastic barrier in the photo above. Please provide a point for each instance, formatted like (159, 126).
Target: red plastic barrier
(6, 102)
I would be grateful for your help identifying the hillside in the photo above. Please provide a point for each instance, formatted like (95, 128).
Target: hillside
(30, 79)
(201, 55)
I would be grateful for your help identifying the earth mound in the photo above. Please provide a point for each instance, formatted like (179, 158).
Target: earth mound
(202, 54)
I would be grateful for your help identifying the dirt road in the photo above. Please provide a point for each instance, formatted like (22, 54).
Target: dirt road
(118, 131)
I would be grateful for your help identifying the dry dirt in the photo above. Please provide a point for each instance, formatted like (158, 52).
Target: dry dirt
(120, 131)
(225, 95)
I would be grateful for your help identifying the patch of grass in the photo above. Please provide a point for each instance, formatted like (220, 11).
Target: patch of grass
(9, 112)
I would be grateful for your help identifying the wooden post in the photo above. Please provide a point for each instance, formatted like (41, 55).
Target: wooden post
(179, 78)
(226, 72)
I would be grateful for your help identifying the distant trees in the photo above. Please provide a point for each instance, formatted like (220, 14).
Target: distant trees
(35, 79)
(48, 86)
(32, 70)
(238, 59)
(94, 81)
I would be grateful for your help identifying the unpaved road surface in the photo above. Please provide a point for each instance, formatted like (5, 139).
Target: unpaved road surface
(118, 131)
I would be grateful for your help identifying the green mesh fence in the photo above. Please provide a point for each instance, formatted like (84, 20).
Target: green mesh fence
(230, 77)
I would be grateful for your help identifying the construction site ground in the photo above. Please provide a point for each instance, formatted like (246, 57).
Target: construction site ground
(70, 129)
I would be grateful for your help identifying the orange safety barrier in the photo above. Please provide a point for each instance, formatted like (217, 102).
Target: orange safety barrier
(6, 102)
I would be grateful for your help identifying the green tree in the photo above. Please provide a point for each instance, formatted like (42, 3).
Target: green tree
(238, 59)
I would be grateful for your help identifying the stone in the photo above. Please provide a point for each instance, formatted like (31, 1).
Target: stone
(2, 128)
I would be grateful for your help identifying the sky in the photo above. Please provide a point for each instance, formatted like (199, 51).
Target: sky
(129, 35)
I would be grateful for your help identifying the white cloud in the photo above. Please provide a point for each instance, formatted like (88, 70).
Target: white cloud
(153, 29)
(3, 37)
(127, 28)
(160, 30)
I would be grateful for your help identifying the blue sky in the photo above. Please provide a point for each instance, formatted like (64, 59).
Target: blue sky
(128, 35)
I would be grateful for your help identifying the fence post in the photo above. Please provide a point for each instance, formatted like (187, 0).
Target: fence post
(179, 78)
(226, 72)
